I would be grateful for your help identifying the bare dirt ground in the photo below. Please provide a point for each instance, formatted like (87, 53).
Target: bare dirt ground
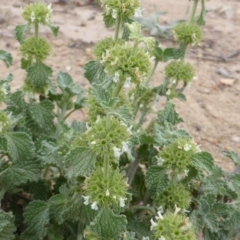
(212, 110)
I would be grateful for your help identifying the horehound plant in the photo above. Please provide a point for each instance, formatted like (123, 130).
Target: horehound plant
(113, 176)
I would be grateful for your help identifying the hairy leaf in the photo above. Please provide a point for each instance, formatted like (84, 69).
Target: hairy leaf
(108, 225)
(233, 156)
(203, 161)
(20, 146)
(36, 217)
(54, 29)
(21, 172)
(66, 83)
(94, 72)
(80, 161)
(21, 31)
(6, 57)
(3, 145)
(42, 114)
(169, 114)
(7, 227)
(156, 180)
(173, 53)
(124, 113)
(39, 74)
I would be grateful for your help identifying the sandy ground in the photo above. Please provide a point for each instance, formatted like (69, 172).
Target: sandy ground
(212, 110)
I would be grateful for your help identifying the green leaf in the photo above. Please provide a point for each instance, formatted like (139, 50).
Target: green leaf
(21, 31)
(203, 161)
(158, 53)
(66, 83)
(124, 113)
(36, 217)
(235, 180)
(169, 114)
(54, 29)
(58, 204)
(42, 114)
(48, 154)
(20, 146)
(20, 173)
(25, 63)
(94, 72)
(40, 190)
(7, 227)
(138, 227)
(108, 225)
(39, 74)
(108, 20)
(156, 180)
(6, 57)
(80, 161)
(3, 145)
(233, 156)
(173, 53)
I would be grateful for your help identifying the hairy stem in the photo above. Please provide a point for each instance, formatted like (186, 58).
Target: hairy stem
(67, 115)
(36, 30)
(152, 72)
(119, 21)
(194, 8)
(132, 170)
(144, 113)
(80, 231)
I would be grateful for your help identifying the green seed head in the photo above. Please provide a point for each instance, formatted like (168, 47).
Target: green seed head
(174, 195)
(180, 71)
(188, 33)
(37, 13)
(178, 155)
(123, 63)
(101, 190)
(38, 49)
(108, 136)
(173, 226)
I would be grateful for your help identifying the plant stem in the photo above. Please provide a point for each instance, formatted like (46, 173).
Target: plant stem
(36, 30)
(194, 8)
(67, 115)
(144, 112)
(80, 231)
(117, 88)
(152, 72)
(119, 20)
(132, 170)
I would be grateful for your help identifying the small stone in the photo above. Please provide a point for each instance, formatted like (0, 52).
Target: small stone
(58, 43)
(236, 138)
(227, 81)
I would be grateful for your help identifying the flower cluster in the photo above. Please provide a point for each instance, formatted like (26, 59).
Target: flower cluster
(188, 33)
(108, 136)
(101, 190)
(175, 194)
(124, 9)
(4, 122)
(33, 48)
(126, 65)
(172, 226)
(179, 71)
(178, 155)
(38, 13)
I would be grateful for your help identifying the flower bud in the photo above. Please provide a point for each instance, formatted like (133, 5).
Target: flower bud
(4, 122)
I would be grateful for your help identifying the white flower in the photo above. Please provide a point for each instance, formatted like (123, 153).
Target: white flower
(32, 17)
(138, 12)
(114, 13)
(93, 142)
(187, 147)
(174, 81)
(86, 200)
(129, 129)
(127, 83)
(125, 147)
(94, 206)
(168, 92)
(117, 152)
(114, 197)
(107, 9)
(160, 216)
(107, 193)
(185, 174)
(98, 119)
(116, 77)
(153, 224)
(49, 7)
(122, 201)
(162, 238)
(177, 210)
(145, 238)
(160, 161)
